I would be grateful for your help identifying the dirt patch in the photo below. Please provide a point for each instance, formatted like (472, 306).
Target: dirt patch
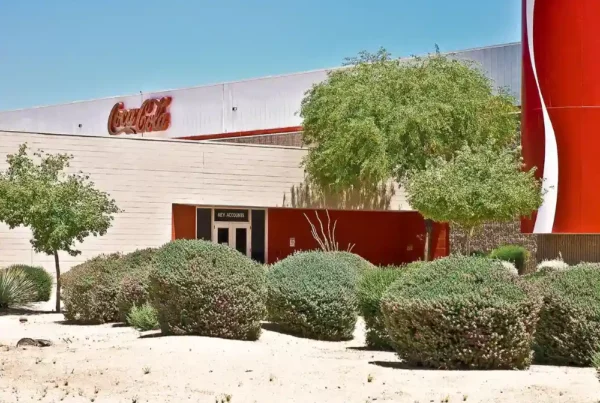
(114, 364)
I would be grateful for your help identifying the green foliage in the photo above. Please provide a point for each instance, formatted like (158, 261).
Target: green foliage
(93, 290)
(478, 253)
(143, 317)
(133, 289)
(16, 288)
(361, 265)
(462, 312)
(381, 117)
(203, 288)
(314, 294)
(90, 290)
(60, 209)
(568, 332)
(514, 254)
(40, 278)
(474, 187)
(371, 288)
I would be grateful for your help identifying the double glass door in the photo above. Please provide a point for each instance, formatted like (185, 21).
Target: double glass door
(234, 235)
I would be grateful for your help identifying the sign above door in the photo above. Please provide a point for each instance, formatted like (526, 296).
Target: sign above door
(231, 215)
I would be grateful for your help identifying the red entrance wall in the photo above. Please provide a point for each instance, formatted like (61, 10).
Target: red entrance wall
(183, 222)
(382, 237)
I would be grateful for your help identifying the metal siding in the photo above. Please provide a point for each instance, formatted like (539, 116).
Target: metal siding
(502, 64)
(266, 103)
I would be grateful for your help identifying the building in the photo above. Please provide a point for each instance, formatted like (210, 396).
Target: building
(560, 116)
(218, 162)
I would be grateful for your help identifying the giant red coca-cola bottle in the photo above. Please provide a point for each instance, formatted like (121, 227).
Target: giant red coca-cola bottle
(561, 112)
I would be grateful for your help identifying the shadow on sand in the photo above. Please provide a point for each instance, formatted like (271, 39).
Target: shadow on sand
(23, 312)
(275, 327)
(367, 348)
(403, 365)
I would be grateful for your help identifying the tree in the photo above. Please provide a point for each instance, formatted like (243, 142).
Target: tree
(474, 187)
(59, 208)
(379, 118)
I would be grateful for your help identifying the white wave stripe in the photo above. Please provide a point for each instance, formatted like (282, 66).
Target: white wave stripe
(547, 212)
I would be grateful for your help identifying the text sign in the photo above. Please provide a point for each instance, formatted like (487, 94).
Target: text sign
(231, 215)
(152, 116)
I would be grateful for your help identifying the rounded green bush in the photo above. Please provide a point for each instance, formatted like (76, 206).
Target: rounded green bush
(133, 288)
(41, 279)
(568, 332)
(199, 287)
(514, 254)
(90, 291)
(372, 286)
(462, 312)
(361, 265)
(314, 294)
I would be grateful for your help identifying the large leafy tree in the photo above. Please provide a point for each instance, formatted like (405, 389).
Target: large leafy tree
(473, 187)
(59, 208)
(379, 118)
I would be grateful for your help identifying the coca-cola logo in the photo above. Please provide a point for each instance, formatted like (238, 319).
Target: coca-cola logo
(152, 116)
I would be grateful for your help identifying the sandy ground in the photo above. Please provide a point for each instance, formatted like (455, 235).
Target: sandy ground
(110, 363)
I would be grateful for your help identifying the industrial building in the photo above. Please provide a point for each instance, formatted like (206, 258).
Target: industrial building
(218, 162)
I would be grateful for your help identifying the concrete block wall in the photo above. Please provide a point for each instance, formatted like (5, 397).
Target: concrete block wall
(147, 176)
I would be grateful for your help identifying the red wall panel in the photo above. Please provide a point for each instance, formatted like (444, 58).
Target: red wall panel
(383, 238)
(183, 222)
(561, 111)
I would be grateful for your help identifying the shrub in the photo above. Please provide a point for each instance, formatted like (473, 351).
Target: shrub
(514, 254)
(143, 317)
(16, 288)
(133, 290)
(139, 258)
(552, 265)
(91, 289)
(41, 279)
(371, 288)
(510, 268)
(361, 265)
(568, 331)
(478, 253)
(199, 287)
(314, 294)
(461, 312)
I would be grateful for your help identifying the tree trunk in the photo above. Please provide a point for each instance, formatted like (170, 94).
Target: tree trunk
(428, 230)
(57, 264)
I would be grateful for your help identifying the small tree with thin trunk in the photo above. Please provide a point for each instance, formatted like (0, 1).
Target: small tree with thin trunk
(474, 187)
(60, 209)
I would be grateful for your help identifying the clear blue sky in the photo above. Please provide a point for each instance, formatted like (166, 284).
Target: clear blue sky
(66, 50)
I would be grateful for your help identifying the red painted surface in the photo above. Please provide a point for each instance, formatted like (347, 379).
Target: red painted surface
(183, 222)
(280, 130)
(152, 116)
(566, 46)
(382, 237)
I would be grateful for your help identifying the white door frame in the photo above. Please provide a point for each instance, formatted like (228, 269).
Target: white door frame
(232, 226)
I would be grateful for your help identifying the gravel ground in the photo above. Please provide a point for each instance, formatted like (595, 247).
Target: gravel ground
(111, 363)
